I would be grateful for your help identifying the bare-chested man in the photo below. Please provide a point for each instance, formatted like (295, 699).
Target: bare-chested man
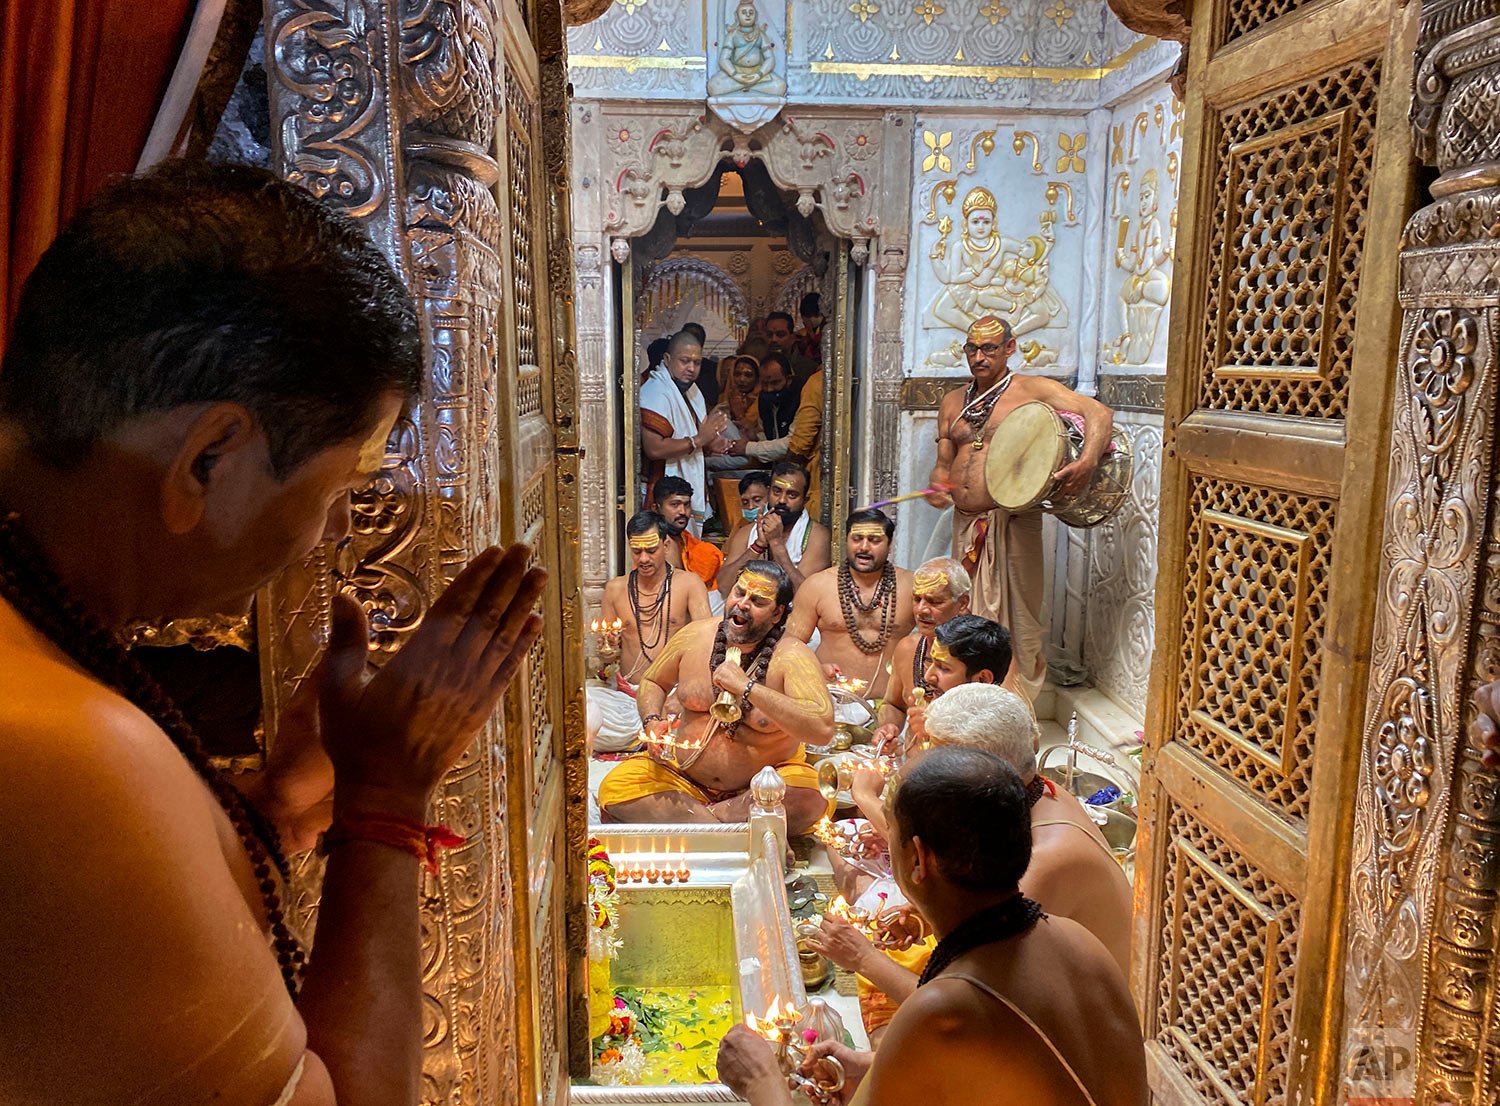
(651, 603)
(782, 532)
(1016, 1006)
(202, 368)
(1003, 551)
(861, 609)
(700, 771)
(940, 591)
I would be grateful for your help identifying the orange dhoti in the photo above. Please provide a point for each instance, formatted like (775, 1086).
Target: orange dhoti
(639, 776)
(1003, 553)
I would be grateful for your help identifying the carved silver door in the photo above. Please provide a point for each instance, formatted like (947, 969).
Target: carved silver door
(442, 128)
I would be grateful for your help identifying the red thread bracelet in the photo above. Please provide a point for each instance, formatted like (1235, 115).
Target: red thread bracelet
(422, 842)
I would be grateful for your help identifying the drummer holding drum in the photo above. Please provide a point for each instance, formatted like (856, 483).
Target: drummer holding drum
(1047, 458)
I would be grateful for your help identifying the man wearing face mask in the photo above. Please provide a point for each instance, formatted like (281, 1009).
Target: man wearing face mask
(782, 532)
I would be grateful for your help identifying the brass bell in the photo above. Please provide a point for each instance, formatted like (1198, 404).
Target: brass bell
(726, 709)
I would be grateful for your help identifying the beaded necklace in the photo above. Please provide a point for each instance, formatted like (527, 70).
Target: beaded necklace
(919, 659)
(657, 612)
(29, 585)
(757, 663)
(1000, 922)
(884, 598)
(976, 411)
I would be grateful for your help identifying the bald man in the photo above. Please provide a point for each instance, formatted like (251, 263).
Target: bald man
(1003, 551)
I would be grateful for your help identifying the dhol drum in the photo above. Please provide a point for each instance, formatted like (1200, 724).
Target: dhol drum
(1033, 442)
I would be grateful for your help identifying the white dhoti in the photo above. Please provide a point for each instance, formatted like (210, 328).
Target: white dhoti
(1003, 553)
(614, 722)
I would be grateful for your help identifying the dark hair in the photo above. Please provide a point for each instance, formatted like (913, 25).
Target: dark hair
(645, 522)
(792, 468)
(656, 351)
(750, 479)
(791, 325)
(871, 514)
(669, 486)
(812, 304)
(786, 591)
(199, 283)
(786, 366)
(979, 642)
(969, 807)
(695, 329)
(682, 338)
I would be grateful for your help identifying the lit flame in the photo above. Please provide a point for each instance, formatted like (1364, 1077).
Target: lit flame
(827, 833)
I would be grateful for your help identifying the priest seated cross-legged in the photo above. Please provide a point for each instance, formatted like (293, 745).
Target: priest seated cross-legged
(940, 591)
(641, 611)
(751, 697)
(861, 609)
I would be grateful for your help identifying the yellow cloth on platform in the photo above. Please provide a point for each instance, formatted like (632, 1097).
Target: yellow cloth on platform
(875, 1007)
(640, 776)
(1003, 553)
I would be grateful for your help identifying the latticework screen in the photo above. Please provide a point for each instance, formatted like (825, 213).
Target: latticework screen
(1257, 600)
(1228, 964)
(1293, 188)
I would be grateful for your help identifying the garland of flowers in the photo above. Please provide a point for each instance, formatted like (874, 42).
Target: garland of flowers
(604, 904)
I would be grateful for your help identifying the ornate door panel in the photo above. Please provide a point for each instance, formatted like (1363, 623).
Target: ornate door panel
(425, 122)
(1297, 178)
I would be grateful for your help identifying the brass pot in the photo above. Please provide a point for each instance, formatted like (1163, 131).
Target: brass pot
(816, 968)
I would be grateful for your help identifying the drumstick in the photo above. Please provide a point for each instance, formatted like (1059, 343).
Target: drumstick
(936, 489)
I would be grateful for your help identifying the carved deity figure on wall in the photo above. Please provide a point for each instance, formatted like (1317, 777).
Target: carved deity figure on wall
(987, 273)
(748, 86)
(1148, 285)
(747, 60)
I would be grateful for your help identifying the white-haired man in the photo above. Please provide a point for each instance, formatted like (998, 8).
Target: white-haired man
(940, 590)
(1073, 872)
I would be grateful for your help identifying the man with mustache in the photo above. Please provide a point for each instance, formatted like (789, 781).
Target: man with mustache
(674, 503)
(699, 769)
(1003, 551)
(860, 609)
(782, 532)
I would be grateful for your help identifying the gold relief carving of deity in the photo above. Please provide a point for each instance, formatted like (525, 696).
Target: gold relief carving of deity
(985, 272)
(1147, 286)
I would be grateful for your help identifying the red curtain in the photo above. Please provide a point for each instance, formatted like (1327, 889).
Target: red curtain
(80, 82)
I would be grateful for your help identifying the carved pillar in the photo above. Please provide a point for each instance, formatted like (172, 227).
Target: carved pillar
(389, 110)
(886, 368)
(594, 294)
(1422, 931)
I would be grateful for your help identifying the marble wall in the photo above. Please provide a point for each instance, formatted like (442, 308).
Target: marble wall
(1037, 180)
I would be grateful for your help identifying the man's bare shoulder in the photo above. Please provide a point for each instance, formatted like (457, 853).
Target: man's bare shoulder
(905, 649)
(819, 585)
(615, 590)
(953, 400)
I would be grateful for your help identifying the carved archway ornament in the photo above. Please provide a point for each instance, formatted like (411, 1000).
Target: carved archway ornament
(832, 165)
